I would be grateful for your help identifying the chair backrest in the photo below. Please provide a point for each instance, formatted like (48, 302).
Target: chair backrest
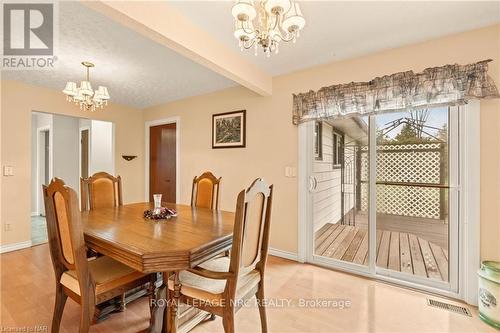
(101, 190)
(205, 191)
(65, 232)
(251, 228)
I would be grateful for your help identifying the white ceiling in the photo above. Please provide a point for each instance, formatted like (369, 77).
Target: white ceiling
(345, 29)
(141, 73)
(137, 71)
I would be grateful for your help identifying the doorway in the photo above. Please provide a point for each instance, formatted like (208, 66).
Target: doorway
(162, 160)
(43, 174)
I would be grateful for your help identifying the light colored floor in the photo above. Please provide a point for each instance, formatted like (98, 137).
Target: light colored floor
(398, 251)
(38, 230)
(27, 299)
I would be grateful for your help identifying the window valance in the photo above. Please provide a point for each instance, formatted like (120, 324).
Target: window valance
(437, 86)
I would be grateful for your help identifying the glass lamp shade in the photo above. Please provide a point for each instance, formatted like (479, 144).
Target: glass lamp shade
(241, 34)
(277, 6)
(70, 89)
(244, 10)
(86, 88)
(293, 19)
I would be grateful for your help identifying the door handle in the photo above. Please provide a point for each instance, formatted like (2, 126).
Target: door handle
(313, 183)
(167, 180)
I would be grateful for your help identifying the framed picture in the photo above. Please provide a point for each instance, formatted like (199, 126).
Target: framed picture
(229, 129)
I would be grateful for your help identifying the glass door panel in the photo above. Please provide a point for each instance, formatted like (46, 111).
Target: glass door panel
(412, 200)
(339, 187)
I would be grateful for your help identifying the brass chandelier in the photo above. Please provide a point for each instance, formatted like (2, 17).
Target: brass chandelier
(266, 24)
(84, 95)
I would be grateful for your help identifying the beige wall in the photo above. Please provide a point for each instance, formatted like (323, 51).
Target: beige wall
(17, 102)
(272, 139)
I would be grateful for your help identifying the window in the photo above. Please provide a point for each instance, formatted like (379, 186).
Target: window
(318, 140)
(337, 142)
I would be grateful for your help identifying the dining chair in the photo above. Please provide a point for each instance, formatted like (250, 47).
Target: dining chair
(205, 191)
(101, 190)
(88, 282)
(220, 285)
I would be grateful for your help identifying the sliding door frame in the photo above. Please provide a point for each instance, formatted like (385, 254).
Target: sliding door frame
(465, 190)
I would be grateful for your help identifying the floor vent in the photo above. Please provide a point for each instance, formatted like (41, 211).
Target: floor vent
(450, 307)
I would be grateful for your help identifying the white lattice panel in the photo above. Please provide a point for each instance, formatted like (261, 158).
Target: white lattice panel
(408, 163)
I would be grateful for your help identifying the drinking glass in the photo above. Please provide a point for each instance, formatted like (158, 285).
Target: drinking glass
(157, 200)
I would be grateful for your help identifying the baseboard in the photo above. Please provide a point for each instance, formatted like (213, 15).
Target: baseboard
(284, 254)
(34, 214)
(14, 247)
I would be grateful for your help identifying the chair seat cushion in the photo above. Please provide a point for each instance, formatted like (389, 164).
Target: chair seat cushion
(106, 272)
(211, 290)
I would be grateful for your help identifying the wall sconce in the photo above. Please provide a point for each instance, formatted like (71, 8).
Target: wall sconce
(129, 157)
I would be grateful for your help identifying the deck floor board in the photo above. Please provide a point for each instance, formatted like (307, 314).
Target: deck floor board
(399, 251)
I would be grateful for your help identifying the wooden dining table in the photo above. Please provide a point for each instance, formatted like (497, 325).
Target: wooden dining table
(168, 246)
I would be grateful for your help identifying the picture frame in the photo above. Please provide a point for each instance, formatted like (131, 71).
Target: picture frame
(229, 129)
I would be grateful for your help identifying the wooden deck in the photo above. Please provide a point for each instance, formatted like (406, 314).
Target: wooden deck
(399, 251)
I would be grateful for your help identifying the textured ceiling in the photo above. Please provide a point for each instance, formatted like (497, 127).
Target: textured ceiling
(137, 71)
(338, 30)
(141, 73)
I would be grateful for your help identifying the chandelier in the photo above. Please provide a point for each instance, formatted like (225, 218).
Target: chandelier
(84, 96)
(267, 23)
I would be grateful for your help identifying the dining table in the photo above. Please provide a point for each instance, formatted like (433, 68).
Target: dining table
(168, 246)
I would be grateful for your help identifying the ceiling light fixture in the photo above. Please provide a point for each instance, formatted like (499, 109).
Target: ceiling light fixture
(267, 23)
(84, 96)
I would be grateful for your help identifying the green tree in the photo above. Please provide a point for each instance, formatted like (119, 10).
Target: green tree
(408, 134)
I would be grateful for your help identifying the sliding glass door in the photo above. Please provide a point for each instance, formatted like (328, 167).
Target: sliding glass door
(383, 196)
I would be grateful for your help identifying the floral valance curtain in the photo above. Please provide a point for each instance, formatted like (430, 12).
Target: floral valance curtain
(437, 86)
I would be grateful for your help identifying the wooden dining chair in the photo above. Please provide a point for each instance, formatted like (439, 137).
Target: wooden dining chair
(219, 285)
(101, 190)
(88, 282)
(205, 191)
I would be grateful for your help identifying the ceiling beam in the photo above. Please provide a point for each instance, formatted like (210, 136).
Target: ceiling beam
(165, 25)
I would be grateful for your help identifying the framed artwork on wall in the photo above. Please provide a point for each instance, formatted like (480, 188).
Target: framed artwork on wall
(229, 129)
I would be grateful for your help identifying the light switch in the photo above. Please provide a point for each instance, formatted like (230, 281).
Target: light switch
(8, 170)
(290, 172)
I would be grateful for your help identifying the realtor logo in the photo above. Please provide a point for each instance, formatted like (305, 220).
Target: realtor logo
(28, 29)
(29, 35)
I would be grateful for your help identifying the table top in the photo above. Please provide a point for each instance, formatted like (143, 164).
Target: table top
(195, 235)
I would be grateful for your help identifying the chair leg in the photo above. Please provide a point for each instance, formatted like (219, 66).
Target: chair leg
(228, 321)
(58, 308)
(262, 308)
(87, 311)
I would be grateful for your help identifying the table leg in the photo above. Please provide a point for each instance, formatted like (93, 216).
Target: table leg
(160, 304)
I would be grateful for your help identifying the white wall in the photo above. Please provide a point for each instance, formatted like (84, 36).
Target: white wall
(101, 147)
(65, 150)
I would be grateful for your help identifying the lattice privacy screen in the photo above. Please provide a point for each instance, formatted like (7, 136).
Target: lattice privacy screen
(418, 163)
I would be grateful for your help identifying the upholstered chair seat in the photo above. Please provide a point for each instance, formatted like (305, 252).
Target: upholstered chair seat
(211, 290)
(105, 271)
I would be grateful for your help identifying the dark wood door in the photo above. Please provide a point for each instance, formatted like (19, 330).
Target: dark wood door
(162, 160)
